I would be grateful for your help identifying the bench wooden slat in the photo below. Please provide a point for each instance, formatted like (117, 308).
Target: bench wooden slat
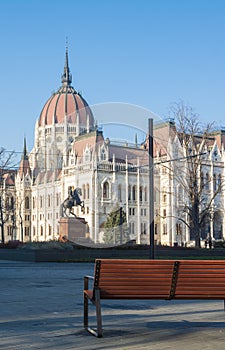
(154, 279)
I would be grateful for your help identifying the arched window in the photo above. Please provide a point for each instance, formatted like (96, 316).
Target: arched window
(49, 200)
(134, 193)
(88, 191)
(202, 179)
(106, 190)
(141, 194)
(219, 182)
(129, 192)
(180, 194)
(146, 195)
(27, 203)
(103, 154)
(120, 193)
(207, 181)
(214, 182)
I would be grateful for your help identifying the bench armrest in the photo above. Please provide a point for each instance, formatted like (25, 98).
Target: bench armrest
(87, 278)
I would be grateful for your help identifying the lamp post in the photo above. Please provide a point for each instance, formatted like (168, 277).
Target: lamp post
(151, 188)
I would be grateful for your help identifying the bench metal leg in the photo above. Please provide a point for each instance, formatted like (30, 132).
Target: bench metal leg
(97, 304)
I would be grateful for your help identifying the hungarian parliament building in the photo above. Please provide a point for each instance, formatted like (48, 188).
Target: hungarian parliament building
(70, 152)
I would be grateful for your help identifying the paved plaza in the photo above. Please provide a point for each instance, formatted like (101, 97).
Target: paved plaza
(42, 308)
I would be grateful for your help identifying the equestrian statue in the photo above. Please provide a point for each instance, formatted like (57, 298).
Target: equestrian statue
(73, 200)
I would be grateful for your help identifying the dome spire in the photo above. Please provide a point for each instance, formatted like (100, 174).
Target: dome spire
(66, 76)
(24, 155)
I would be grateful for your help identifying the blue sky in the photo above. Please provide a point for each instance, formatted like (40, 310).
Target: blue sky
(139, 52)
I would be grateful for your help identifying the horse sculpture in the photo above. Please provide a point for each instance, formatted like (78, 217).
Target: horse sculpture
(73, 200)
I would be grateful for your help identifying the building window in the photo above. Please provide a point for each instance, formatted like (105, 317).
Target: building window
(141, 194)
(207, 181)
(27, 231)
(49, 230)
(219, 181)
(103, 154)
(214, 182)
(49, 200)
(164, 229)
(58, 199)
(131, 227)
(106, 190)
(143, 228)
(129, 192)
(134, 193)
(42, 231)
(120, 193)
(34, 202)
(146, 195)
(27, 203)
(84, 191)
(88, 191)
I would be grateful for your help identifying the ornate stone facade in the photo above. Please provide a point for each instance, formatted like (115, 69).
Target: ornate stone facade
(70, 151)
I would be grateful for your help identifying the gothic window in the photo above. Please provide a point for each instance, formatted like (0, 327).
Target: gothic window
(207, 181)
(120, 193)
(134, 193)
(34, 202)
(180, 194)
(164, 229)
(88, 191)
(27, 203)
(143, 228)
(141, 194)
(57, 199)
(129, 192)
(27, 231)
(106, 190)
(214, 182)
(12, 203)
(131, 227)
(103, 154)
(219, 181)
(42, 231)
(145, 194)
(49, 200)
(202, 180)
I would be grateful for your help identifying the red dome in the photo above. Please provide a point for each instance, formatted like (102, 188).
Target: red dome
(66, 102)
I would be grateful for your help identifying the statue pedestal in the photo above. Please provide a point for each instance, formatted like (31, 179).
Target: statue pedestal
(73, 229)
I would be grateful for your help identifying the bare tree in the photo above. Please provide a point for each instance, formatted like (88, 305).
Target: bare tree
(6, 180)
(188, 167)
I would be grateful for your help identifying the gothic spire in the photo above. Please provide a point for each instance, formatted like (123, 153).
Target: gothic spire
(24, 156)
(66, 76)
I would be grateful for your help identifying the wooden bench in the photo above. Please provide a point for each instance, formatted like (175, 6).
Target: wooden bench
(152, 279)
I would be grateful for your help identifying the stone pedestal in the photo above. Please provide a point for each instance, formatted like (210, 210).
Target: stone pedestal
(73, 229)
